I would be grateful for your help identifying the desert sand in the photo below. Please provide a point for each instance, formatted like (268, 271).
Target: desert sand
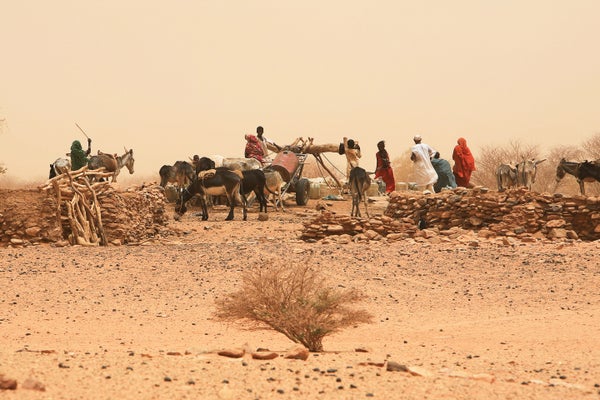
(518, 321)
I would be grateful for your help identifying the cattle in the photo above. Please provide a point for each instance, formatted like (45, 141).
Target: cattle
(587, 171)
(359, 184)
(526, 172)
(59, 166)
(181, 174)
(217, 182)
(254, 181)
(112, 163)
(506, 176)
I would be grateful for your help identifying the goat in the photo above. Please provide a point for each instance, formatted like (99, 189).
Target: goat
(359, 184)
(220, 182)
(506, 176)
(526, 172)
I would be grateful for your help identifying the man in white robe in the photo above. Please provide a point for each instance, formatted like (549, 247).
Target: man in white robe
(425, 174)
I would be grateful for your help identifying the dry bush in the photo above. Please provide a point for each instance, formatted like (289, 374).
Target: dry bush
(592, 147)
(294, 301)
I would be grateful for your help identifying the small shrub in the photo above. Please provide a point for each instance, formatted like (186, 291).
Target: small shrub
(294, 301)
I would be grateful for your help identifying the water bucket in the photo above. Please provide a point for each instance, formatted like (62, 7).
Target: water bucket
(373, 190)
(286, 163)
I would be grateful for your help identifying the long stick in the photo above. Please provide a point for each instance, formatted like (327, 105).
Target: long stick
(82, 131)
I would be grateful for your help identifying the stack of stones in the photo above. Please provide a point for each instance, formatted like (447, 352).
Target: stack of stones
(128, 217)
(517, 213)
(134, 215)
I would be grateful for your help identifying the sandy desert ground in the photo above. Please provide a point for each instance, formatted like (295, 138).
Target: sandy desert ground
(136, 322)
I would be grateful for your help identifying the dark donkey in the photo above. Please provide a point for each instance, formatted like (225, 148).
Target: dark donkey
(587, 171)
(359, 184)
(255, 181)
(220, 181)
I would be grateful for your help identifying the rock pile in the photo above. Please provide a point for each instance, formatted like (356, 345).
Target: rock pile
(517, 213)
(51, 214)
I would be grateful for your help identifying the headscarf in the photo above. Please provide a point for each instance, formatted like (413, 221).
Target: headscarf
(462, 157)
(253, 148)
(78, 156)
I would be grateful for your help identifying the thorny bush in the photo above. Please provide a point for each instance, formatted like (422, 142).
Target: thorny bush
(294, 301)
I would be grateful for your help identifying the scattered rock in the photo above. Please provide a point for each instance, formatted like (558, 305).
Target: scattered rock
(232, 353)
(297, 353)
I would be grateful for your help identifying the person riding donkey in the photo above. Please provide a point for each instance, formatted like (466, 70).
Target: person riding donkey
(79, 158)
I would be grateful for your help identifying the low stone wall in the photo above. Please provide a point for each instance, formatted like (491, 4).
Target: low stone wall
(515, 213)
(32, 216)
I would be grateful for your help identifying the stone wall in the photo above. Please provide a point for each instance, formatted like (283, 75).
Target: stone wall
(32, 216)
(515, 213)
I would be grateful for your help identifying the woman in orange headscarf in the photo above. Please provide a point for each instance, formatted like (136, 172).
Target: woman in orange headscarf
(464, 163)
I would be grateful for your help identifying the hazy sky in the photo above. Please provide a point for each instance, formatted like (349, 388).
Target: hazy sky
(175, 78)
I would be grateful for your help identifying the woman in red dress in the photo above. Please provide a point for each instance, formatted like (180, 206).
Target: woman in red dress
(384, 168)
(464, 163)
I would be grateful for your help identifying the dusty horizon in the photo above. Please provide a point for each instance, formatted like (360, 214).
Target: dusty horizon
(170, 81)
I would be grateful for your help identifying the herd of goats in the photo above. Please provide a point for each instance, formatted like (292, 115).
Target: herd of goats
(236, 178)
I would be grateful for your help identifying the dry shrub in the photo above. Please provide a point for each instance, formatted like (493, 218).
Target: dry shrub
(294, 301)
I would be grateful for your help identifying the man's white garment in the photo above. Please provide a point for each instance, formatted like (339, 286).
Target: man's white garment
(424, 172)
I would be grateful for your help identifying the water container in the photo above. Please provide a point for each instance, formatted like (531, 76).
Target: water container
(286, 163)
(314, 191)
(373, 190)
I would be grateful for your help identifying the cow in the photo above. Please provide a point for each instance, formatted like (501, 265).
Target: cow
(216, 182)
(359, 184)
(181, 174)
(506, 176)
(526, 172)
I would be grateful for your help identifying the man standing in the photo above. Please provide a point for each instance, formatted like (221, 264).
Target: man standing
(352, 151)
(384, 168)
(425, 174)
(266, 144)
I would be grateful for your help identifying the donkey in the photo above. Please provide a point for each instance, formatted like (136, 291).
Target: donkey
(112, 163)
(58, 167)
(584, 172)
(181, 173)
(219, 181)
(526, 172)
(359, 183)
(255, 181)
(506, 176)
